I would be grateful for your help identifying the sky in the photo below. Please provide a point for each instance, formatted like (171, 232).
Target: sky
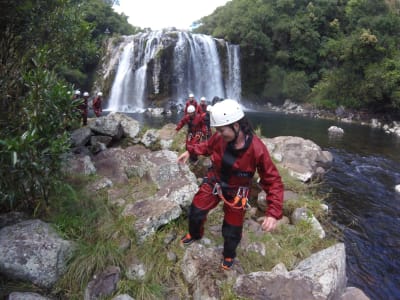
(159, 14)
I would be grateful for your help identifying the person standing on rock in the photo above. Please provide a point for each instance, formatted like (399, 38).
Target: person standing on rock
(196, 127)
(97, 107)
(203, 104)
(236, 154)
(191, 101)
(83, 106)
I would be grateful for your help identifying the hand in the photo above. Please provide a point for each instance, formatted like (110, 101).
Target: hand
(182, 159)
(269, 224)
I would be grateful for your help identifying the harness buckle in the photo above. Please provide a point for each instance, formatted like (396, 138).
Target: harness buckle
(217, 189)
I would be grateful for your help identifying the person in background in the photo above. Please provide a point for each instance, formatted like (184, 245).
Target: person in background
(203, 104)
(76, 99)
(192, 101)
(195, 123)
(97, 105)
(207, 128)
(77, 95)
(236, 154)
(83, 106)
(203, 108)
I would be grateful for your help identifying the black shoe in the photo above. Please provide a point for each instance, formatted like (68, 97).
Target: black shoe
(187, 239)
(227, 263)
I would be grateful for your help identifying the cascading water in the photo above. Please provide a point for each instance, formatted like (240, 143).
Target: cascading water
(169, 65)
(234, 86)
(199, 69)
(128, 90)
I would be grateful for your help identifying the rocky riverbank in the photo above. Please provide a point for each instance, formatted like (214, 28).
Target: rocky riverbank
(389, 123)
(143, 182)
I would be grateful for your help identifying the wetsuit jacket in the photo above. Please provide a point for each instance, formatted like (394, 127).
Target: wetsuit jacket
(235, 168)
(97, 106)
(195, 124)
(194, 103)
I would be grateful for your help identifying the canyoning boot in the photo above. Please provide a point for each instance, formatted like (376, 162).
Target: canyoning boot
(187, 239)
(227, 263)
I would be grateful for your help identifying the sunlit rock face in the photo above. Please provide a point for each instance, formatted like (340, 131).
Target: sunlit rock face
(163, 67)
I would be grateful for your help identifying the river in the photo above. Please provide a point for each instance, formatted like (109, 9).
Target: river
(361, 195)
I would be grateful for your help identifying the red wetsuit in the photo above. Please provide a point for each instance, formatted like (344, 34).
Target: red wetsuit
(195, 132)
(97, 106)
(194, 103)
(83, 106)
(233, 169)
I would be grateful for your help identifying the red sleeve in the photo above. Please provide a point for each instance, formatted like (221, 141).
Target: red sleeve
(270, 182)
(204, 148)
(182, 123)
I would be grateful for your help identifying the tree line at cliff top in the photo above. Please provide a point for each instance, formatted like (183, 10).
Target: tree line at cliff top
(329, 53)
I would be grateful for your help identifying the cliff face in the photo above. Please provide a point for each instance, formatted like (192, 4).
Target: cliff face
(158, 67)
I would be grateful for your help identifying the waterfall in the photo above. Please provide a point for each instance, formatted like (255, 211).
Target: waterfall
(199, 71)
(234, 84)
(167, 66)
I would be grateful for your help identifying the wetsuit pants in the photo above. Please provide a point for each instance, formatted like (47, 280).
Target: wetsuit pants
(232, 226)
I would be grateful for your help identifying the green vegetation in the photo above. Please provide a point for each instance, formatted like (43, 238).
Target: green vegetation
(330, 53)
(47, 49)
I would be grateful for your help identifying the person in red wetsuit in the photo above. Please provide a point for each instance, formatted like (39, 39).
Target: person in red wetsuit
(195, 123)
(192, 101)
(236, 154)
(97, 107)
(203, 104)
(83, 106)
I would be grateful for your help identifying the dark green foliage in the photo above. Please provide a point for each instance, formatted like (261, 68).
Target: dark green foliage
(330, 52)
(32, 144)
(46, 49)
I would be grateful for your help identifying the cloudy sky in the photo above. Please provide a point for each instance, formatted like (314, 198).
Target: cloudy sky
(158, 14)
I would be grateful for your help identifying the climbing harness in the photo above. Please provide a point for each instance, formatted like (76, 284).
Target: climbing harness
(240, 201)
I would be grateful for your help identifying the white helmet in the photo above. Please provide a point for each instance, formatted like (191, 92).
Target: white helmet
(85, 94)
(100, 94)
(191, 109)
(191, 96)
(203, 98)
(225, 113)
(77, 92)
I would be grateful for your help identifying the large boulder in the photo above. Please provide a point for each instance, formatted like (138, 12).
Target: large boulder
(33, 251)
(319, 277)
(303, 158)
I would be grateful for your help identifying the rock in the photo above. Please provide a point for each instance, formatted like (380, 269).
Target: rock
(302, 213)
(334, 130)
(300, 156)
(352, 293)
(328, 269)
(32, 251)
(103, 284)
(26, 296)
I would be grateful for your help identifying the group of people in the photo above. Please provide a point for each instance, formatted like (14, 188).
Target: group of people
(197, 118)
(83, 104)
(236, 154)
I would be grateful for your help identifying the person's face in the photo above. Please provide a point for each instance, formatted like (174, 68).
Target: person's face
(226, 132)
